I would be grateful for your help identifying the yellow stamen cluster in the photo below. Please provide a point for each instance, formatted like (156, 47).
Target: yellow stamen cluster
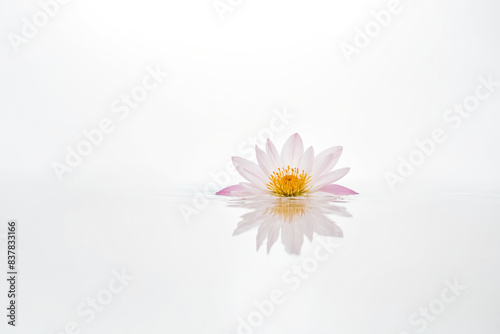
(287, 182)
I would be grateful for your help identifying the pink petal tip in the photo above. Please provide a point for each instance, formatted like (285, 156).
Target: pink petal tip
(227, 191)
(336, 189)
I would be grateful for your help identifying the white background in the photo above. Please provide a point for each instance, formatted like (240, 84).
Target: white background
(226, 76)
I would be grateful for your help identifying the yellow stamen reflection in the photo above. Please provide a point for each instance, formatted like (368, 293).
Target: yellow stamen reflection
(287, 210)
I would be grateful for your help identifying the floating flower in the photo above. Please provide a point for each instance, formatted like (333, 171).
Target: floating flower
(292, 173)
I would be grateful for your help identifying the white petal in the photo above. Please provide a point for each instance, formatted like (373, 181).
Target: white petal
(292, 151)
(330, 177)
(306, 160)
(326, 160)
(274, 156)
(264, 161)
(250, 167)
(254, 189)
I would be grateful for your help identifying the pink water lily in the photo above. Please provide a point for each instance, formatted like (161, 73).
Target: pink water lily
(292, 173)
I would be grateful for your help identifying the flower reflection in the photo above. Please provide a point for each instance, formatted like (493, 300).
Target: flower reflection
(292, 217)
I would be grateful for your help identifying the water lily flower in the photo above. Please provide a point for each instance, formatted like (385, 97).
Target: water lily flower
(292, 173)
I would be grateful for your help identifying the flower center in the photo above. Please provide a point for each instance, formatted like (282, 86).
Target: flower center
(288, 182)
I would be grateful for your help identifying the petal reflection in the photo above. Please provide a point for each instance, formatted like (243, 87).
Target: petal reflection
(291, 217)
